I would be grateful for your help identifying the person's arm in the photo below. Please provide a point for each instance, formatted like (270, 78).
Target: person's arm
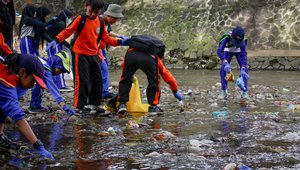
(11, 107)
(112, 34)
(167, 76)
(221, 48)
(110, 40)
(244, 55)
(68, 31)
(29, 21)
(5, 49)
(51, 86)
(12, 11)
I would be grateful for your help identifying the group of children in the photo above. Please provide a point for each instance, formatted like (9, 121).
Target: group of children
(92, 35)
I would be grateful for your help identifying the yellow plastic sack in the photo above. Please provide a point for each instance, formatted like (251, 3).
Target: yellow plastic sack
(135, 105)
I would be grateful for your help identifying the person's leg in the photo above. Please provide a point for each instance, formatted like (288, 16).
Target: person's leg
(81, 80)
(27, 45)
(60, 81)
(148, 65)
(228, 57)
(95, 93)
(36, 100)
(242, 61)
(105, 79)
(129, 69)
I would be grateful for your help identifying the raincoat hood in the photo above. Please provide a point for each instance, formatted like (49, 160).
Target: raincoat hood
(65, 14)
(42, 12)
(55, 62)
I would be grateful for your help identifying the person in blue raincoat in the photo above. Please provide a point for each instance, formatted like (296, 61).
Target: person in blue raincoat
(233, 43)
(22, 70)
(63, 20)
(60, 63)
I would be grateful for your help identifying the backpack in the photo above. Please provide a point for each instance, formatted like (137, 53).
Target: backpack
(148, 44)
(81, 25)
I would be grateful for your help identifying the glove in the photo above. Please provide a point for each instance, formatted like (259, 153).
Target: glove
(244, 74)
(125, 41)
(123, 37)
(227, 68)
(240, 83)
(40, 149)
(53, 20)
(68, 110)
(178, 95)
(51, 45)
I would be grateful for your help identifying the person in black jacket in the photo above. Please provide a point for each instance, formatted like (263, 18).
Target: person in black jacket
(63, 19)
(30, 24)
(7, 15)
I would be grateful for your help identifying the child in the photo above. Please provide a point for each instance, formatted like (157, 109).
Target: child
(233, 44)
(86, 63)
(55, 65)
(27, 30)
(111, 16)
(7, 15)
(63, 19)
(22, 70)
(153, 67)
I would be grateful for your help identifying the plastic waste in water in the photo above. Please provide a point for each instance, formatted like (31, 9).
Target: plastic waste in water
(111, 130)
(219, 113)
(285, 90)
(291, 107)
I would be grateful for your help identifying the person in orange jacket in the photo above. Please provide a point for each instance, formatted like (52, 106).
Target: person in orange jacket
(153, 67)
(5, 49)
(86, 62)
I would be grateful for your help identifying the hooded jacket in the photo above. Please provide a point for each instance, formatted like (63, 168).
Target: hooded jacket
(7, 15)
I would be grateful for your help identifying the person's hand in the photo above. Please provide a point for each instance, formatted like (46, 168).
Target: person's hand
(244, 74)
(178, 95)
(240, 83)
(53, 20)
(68, 110)
(122, 37)
(40, 149)
(51, 45)
(227, 68)
(125, 41)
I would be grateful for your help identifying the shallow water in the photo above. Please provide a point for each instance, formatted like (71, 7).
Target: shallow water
(263, 132)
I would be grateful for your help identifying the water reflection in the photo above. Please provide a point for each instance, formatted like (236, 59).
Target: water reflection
(91, 165)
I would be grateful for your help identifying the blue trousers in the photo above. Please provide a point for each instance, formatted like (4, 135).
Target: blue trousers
(105, 75)
(242, 61)
(27, 46)
(37, 92)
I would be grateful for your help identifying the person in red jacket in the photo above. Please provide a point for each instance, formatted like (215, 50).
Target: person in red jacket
(86, 62)
(5, 49)
(23, 71)
(153, 67)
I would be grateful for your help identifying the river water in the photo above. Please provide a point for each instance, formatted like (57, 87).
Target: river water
(262, 133)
